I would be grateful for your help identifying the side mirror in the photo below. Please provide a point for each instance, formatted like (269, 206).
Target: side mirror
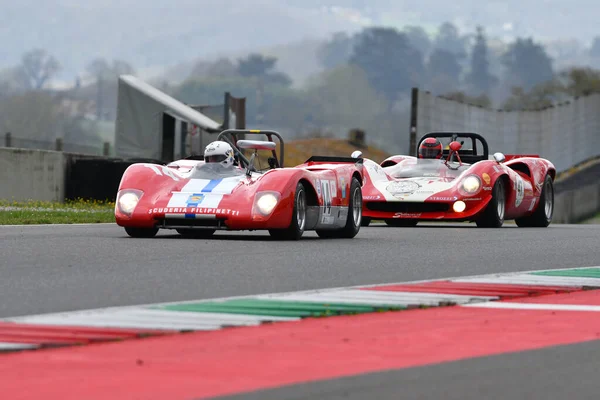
(356, 154)
(499, 157)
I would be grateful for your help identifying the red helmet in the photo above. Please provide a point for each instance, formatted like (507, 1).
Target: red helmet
(430, 148)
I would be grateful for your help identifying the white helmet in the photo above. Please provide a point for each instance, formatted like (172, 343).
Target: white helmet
(220, 152)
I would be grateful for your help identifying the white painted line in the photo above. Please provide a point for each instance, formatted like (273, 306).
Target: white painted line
(534, 306)
(528, 279)
(371, 297)
(148, 319)
(16, 346)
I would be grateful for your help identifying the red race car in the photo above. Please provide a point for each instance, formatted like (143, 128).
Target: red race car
(224, 190)
(454, 179)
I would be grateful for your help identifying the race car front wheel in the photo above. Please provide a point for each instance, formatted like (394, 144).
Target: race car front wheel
(542, 216)
(141, 232)
(493, 214)
(296, 228)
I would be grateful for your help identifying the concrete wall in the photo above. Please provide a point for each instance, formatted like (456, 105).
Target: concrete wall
(576, 205)
(31, 174)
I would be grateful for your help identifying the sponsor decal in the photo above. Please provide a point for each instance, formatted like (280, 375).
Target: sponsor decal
(372, 197)
(472, 199)
(318, 185)
(193, 210)
(438, 198)
(425, 191)
(406, 215)
(487, 188)
(486, 178)
(402, 187)
(195, 200)
(520, 191)
(496, 169)
(161, 170)
(343, 186)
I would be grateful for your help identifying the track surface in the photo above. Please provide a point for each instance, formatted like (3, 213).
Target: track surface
(63, 268)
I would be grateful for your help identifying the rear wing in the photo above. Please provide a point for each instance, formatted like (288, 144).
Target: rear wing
(233, 142)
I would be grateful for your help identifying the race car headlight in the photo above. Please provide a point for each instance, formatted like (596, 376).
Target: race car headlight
(127, 200)
(266, 202)
(471, 184)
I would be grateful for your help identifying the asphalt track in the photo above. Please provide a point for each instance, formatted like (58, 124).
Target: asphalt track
(64, 268)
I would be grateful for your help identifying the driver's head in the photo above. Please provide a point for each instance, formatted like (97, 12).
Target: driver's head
(219, 152)
(430, 148)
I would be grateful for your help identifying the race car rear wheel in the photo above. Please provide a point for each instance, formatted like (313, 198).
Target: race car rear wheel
(296, 228)
(354, 219)
(542, 216)
(141, 232)
(493, 215)
(196, 233)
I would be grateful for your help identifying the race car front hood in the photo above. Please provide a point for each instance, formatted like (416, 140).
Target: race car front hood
(204, 193)
(413, 189)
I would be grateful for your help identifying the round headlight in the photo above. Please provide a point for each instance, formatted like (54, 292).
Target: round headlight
(471, 184)
(127, 202)
(266, 203)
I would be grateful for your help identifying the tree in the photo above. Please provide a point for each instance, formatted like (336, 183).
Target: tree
(391, 64)
(482, 100)
(527, 64)
(579, 81)
(418, 38)
(539, 97)
(479, 78)
(595, 49)
(443, 71)
(336, 51)
(448, 38)
(261, 67)
(39, 67)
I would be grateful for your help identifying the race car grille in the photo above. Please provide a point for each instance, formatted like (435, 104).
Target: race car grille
(407, 207)
(217, 223)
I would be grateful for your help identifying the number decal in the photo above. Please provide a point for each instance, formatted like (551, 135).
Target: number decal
(160, 170)
(326, 190)
(520, 191)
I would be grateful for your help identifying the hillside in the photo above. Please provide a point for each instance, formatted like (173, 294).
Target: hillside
(298, 151)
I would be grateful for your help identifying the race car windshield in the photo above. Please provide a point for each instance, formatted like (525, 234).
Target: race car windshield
(215, 171)
(424, 168)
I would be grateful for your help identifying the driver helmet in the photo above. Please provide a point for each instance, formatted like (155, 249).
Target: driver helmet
(430, 148)
(219, 152)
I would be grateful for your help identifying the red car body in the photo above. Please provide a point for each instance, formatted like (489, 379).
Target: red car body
(198, 198)
(404, 190)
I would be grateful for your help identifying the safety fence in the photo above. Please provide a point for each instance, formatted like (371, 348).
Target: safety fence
(566, 133)
(11, 141)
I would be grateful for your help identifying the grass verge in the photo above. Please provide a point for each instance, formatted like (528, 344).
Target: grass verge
(41, 212)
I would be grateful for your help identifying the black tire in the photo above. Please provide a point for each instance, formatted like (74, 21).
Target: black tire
(196, 233)
(399, 223)
(493, 215)
(296, 228)
(141, 232)
(542, 216)
(354, 219)
(365, 221)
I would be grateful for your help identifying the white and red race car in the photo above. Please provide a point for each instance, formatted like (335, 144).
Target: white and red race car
(466, 184)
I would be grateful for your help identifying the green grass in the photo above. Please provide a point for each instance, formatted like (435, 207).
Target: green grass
(42, 212)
